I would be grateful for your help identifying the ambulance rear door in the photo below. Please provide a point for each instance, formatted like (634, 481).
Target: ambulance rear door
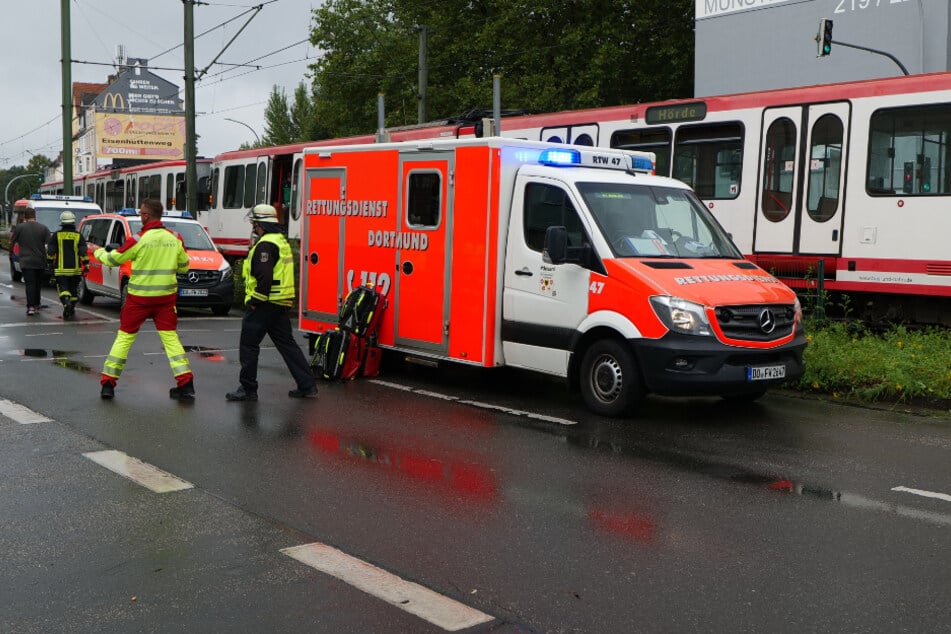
(322, 234)
(422, 286)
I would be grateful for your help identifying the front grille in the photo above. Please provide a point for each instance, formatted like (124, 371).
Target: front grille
(752, 322)
(199, 278)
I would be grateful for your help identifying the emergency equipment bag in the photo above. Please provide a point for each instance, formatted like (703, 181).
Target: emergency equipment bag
(362, 310)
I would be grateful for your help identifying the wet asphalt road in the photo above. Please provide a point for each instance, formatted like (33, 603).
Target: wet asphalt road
(697, 516)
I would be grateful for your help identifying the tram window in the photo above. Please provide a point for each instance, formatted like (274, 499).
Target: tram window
(181, 193)
(825, 166)
(295, 189)
(250, 182)
(910, 151)
(150, 187)
(169, 191)
(234, 186)
(656, 140)
(260, 195)
(778, 167)
(213, 197)
(709, 158)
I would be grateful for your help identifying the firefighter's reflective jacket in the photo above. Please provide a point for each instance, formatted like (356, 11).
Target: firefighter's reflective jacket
(282, 290)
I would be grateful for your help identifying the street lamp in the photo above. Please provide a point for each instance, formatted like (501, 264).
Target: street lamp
(247, 126)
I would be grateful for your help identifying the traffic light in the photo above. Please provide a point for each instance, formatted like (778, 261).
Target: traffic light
(908, 184)
(925, 175)
(824, 37)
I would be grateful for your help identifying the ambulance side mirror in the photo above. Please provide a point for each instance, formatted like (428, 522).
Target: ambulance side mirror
(556, 245)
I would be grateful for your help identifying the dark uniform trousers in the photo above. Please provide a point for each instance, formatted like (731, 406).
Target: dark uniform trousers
(272, 320)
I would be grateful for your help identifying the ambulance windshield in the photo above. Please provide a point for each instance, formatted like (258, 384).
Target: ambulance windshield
(655, 222)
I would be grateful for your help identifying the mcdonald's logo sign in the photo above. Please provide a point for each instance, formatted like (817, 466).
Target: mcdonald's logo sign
(113, 100)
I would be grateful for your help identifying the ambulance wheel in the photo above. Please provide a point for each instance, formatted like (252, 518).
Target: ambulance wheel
(84, 294)
(610, 383)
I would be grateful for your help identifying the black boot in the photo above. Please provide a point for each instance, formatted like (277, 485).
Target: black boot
(108, 391)
(185, 392)
(241, 394)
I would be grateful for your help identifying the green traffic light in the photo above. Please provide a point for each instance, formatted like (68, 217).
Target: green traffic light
(826, 49)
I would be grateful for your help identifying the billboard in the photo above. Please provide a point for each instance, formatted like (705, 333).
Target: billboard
(140, 136)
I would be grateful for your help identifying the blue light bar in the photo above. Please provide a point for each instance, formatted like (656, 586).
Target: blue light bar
(643, 163)
(560, 157)
(128, 211)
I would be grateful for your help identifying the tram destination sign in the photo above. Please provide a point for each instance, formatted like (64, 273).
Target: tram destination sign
(676, 113)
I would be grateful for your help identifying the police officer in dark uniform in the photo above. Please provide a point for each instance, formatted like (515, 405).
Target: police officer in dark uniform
(269, 293)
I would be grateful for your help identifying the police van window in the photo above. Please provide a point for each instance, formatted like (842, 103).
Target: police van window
(234, 187)
(549, 206)
(709, 158)
(118, 234)
(825, 163)
(656, 140)
(778, 164)
(423, 199)
(909, 151)
(250, 181)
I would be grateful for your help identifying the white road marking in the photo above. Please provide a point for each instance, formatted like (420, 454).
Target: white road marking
(431, 606)
(927, 494)
(21, 414)
(139, 472)
(480, 404)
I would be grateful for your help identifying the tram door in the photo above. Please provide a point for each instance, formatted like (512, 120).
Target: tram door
(802, 178)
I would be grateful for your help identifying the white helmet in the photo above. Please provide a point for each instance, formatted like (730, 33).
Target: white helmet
(67, 218)
(263, 213)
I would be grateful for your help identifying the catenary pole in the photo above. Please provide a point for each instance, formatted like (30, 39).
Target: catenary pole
(66, 64)
(191, 146)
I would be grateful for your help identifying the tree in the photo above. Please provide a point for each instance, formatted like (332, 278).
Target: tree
(278, 128)
(552, 55)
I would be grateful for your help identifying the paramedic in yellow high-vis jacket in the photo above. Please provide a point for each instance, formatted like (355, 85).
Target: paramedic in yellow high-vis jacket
(157, 256)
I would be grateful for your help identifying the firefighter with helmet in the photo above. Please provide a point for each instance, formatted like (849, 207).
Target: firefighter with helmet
(68, 258)
(268, 298)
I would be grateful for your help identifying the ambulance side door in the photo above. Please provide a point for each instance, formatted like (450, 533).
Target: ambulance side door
(421, 291)
(542, 304)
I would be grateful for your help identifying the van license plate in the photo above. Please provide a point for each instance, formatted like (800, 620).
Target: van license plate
(193, 292)
(765, 373)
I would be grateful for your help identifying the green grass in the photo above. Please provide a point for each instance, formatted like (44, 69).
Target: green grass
(900, 365)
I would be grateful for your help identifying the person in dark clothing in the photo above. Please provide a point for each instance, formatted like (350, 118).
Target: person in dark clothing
(269, 293)
(31, 238)
(67, 255)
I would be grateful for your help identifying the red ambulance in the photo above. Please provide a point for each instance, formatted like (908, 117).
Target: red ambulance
(570, 261)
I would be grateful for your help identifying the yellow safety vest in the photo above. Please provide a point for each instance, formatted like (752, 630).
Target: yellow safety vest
(157, 257)
(68, 259)
(282, 286)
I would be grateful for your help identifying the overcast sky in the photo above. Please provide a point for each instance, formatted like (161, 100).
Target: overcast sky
(30, 72)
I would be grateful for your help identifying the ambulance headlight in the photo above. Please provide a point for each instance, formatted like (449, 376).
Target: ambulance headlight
(680, 315)
(226, 272)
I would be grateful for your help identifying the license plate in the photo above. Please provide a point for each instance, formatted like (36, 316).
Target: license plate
(765, 372)
(193, 292)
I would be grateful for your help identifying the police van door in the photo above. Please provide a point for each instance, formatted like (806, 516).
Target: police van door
(800, 206)
(421, 289)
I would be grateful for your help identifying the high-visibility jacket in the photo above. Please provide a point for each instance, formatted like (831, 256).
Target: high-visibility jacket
(157, 255)
(282, 286)
(66, 252)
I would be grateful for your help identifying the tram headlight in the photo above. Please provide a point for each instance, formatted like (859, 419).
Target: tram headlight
(680, 315)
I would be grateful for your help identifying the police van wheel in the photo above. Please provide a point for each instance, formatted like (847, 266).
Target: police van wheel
(610, 384)
(84, 294)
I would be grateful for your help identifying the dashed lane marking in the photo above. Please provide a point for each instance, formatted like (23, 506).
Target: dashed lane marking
(21, 414)
(491, 406)
(139, 472)
(923, 493)
(411, 597)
